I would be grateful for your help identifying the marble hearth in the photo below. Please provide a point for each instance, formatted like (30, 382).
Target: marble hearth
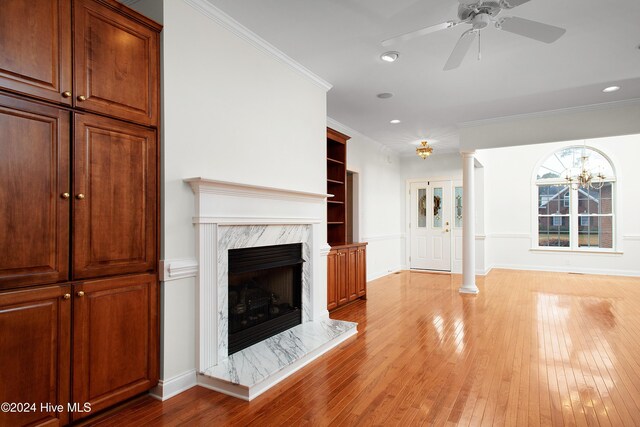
(232, 216)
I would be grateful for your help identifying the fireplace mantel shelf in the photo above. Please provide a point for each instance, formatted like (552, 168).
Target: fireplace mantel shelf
(203, 185)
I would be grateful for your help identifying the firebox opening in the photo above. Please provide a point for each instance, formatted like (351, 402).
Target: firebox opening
(265, 293)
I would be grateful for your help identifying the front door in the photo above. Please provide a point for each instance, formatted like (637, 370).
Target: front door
(430, 225)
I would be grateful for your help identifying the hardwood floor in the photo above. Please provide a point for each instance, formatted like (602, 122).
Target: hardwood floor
(533, 348)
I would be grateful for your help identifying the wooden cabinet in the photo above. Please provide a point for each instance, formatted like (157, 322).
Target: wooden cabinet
(346, 274)
(34, 356)
(114, 178)
(115, 62)
(115, 340)
(78, 200)
(35, 46)
(34, 193)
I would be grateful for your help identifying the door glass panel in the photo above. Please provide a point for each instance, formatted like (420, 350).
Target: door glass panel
(458, 197)
(437, 207)
(422, 207)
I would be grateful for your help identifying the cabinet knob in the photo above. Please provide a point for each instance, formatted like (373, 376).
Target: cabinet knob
(80, 196)
(80, 294)
(65, 196)
(66, 94)
(82, 98)
(66, 296)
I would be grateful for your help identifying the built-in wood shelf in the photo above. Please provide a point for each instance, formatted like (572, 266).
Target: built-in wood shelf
(337, 186)
(337, 202)
(329, 159)
(333, 181)
(336, 223)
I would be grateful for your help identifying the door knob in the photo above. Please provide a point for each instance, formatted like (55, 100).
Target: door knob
(80, 294)
(80, 196)
(446, 230)
(82, 98)
(66, 94)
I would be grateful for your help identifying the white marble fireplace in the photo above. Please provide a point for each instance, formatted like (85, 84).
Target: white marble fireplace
(232, 216)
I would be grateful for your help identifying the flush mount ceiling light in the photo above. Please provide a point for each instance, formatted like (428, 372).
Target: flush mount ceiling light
(611, 89)
(391, 56)
(394, 121)
(424, 150)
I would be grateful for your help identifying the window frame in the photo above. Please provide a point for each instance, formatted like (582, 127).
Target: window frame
(574, 216)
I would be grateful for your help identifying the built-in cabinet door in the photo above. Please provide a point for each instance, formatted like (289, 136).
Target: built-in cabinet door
(332, 280)
(34, 355)
(343, 294)
(361, 272)
(114, 197)
(34, 193)
(115, 64)
(352, 285)
(35, 48)
(115, 330)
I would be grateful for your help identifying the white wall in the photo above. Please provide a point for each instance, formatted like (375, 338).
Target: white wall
(380, 200)
(509, 214)
(231, 112)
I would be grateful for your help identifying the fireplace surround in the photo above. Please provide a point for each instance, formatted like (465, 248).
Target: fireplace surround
(231, 216)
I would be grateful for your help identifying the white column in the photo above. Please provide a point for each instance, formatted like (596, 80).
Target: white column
(468, 225)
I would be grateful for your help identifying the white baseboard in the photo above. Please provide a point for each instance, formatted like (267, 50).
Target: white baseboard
(379, 274)
(168, 388)
(569, 269)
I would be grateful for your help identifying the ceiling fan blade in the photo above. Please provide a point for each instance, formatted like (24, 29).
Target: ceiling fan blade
(421, 32)
(461, 49)
(510, 4)
(532, 29)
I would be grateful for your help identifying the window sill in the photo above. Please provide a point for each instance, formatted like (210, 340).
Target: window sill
(578, 251)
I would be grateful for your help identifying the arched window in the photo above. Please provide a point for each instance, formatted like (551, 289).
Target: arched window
(575, 199)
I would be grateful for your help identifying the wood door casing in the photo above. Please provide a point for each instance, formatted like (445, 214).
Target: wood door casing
(35, 41)
(115, 348)
(332, 280)
(114, 225)
(34, 361)
(116, 65)
(34, 173)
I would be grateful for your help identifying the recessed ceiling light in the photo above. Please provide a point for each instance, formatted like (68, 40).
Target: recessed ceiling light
(390, 56)
(394, 121)
(384, 95)
(611, 89)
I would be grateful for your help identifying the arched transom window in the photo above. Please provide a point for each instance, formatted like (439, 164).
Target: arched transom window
(575, 198)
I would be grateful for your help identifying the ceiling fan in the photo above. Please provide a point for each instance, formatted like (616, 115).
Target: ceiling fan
(479, 14)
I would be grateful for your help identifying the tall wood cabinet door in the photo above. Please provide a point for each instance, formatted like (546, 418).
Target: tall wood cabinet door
(343, 296)
(34, 355)
(115, 347)
(332, 279)
(35, 48)
(115, 64)
(361, 272)
(114, 201)
(34, 187)
(352, 285)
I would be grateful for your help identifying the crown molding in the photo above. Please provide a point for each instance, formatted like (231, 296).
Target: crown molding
(221, 18)
(634, 102)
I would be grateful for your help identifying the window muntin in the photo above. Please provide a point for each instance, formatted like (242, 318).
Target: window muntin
(575, 217)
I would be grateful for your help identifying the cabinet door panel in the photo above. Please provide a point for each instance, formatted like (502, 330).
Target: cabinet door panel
(115, 64)
(34, 173)
(35, 46)
(115, 330)
(343, 296)
(362, 271)
(332, 277)
(115, 223)
(352, 285)
(34, 360)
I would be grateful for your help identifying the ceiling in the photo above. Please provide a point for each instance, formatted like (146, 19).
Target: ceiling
(339, 40)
